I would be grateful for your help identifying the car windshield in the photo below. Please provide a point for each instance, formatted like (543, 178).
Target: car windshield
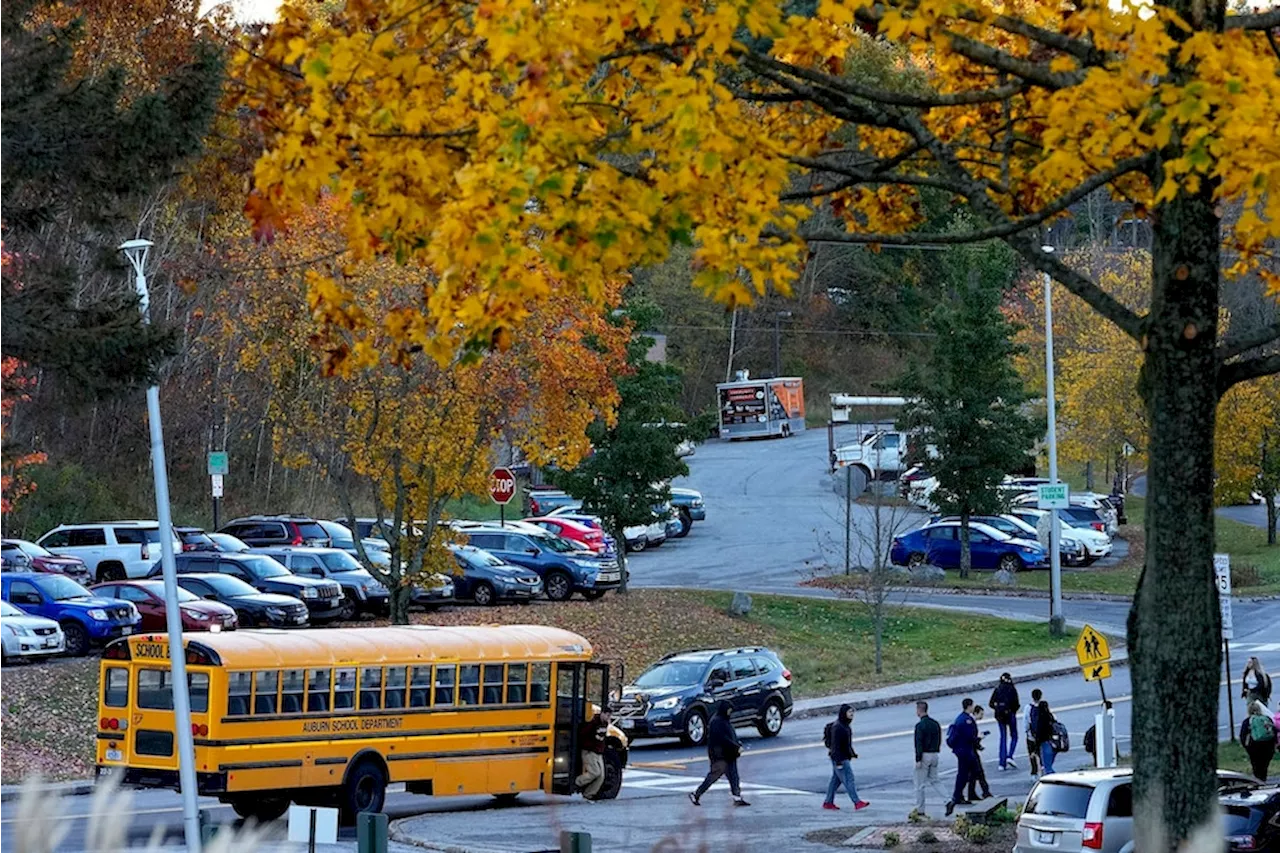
(7, 609)
(674, 673)
(31, 549)
(62, 588)
(555, 543)
(157, 589)
(228, 586)
(263, 567)
(477, 558)
(340, 561)
(227, 542)
(1053, 798)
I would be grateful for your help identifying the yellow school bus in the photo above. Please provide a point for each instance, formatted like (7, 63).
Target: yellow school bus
(331, 717)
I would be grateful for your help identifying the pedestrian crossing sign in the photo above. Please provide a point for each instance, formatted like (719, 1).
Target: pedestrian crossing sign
(1092, 647)
(1097, 671)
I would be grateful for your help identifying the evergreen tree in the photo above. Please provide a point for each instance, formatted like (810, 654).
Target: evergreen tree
(967, 403)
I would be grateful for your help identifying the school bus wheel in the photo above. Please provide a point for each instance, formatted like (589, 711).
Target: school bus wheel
(365, 789)
(612, 776)
(259, 808)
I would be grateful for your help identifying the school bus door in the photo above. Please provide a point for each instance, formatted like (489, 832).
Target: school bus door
(578, 685)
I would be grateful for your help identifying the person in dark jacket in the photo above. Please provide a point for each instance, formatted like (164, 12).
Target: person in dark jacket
(978, 779)
(928, 745)
(962, 737)
(842, 754)
(1033, 752)
(1004, 706)
(1044, 721)
(723, 748)
(1258, 737)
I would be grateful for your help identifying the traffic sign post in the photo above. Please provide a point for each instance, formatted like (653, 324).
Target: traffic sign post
(1094, 654)
(502, 488)
(1053, 496)
(1222, 579)
(1097, 672)
(219, 467)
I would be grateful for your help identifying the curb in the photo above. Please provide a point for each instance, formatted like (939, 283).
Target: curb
(1013, 592)
(394, 833)
(9, 793)
(900, 694)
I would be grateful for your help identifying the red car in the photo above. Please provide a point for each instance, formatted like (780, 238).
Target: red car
(574, 531)
(23, 555)
(148, 597)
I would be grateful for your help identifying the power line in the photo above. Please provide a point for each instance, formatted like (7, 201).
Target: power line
(865, 333)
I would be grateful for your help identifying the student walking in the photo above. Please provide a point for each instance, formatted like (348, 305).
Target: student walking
(1255, 682)
(928, 745)
(840, 749)
(723, 748)
(978, 779)
(962, 739)
(1044, 737)
(1033, 751)
(1258, 737)
(591, 739)
(1004, 705)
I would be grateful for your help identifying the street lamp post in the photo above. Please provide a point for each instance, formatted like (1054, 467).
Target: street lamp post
(1057, 621)
(778, 317)
(136, 251)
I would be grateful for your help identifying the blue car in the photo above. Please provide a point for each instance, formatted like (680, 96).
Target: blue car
(938, 544)
(486, 580)
(564, 568)
(86, 619)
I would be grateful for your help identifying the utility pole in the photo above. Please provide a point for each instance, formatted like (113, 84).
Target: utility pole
(1057, 621)
(848, 513)
(777, 340)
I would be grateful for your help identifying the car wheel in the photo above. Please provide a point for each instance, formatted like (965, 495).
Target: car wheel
(77, 639)
(686, 524)
(482, 594)
(558, 586)
(593, 594)
(365, 789)
(612, 776)
(640, 545)
(695, 728)
(915, 561)
(1010, 563)
(348, 612)
(261, 809)
(1088, 561)
(108, 572)
(770, 723)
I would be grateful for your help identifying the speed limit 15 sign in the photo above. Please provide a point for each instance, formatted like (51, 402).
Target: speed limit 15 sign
(502, 486)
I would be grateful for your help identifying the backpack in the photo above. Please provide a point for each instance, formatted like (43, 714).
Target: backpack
(827, 732)
(1061, 738)
(1091, 740)
(1261, 729)
(952, 736)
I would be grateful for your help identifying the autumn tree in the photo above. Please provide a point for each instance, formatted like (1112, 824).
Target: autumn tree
(588, 136)
(394, 433)
(967, 403)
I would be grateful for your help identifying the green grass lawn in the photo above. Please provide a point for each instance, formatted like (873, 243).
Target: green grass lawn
(475, 508)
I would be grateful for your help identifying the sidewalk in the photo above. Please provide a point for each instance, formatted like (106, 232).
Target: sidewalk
(944, 686)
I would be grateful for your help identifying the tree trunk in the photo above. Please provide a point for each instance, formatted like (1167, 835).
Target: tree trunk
(966, 556)
(401, 597)
(1268, 488)
(1270, 498)
(877, 615)
(620, 543)
(1174, 626)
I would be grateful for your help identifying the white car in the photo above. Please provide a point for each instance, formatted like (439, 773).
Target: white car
(27, 636)
(111, 550)
(1096, 544)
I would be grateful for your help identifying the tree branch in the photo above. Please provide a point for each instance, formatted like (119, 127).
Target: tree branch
(1261, 21)
(1250, 368)
(1032, 72)
(1235, 345)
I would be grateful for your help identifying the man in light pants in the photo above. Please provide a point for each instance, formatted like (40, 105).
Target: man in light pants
(928, 745)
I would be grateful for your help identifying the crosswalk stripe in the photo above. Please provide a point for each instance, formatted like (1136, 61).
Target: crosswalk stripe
(646, 780)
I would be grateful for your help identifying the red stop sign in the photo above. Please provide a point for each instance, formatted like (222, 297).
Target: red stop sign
(502, 485)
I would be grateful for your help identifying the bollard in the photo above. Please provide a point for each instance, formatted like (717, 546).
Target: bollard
(371, 832)
(207, 827)
(575, 842)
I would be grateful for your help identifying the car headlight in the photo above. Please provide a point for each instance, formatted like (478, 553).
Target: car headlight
(310, 592)
(666, 704)
(275, 612)
(197, 615)
(98, 613)
(20, 630)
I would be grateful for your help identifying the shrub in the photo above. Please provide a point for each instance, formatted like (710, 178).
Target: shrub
(1245, 574)
(978, 833)
(961, 826)
(1001, 816)
(927, 837)
(915, 817)
(891, 840)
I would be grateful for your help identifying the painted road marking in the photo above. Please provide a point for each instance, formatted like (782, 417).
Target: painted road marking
(670, 783)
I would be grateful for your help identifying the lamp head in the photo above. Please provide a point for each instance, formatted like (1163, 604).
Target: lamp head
(136, 251)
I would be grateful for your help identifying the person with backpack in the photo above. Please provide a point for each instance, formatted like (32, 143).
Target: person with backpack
(1033, 751)
(928, 745)
(962, 740)
(1044, 734)
(978, 779)
(723, 748)
(1255, 682)
(838, 737)
(1004, 705)
(1258, 737)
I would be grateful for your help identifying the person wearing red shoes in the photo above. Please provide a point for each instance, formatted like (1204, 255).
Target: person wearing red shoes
(840, 749)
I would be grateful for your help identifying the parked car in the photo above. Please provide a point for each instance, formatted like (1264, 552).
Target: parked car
(28, 556)
(253, 609)
(675, 697)
(361, 592)
(637, 536)
(26, 636)
(1095, 543)
(195, 539)
(541, 500)
(486, 580)
(148, 597)
(228, 543)
(341, 536)
(86, 619)
(564, 569)
(367, 528)
(1070, 549)
(939, 544)
(1085, 515)
(689, 508)
(587, 537)
(111, 551)
(1251, 819)
(595, 523)
(261, 530)
(322, 598)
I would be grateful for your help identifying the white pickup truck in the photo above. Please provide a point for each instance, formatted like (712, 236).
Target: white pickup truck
(879, 455)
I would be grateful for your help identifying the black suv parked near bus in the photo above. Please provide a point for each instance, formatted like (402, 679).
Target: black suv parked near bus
(677, 695)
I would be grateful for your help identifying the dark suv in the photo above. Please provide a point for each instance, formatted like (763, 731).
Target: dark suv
(677, 695)
(322, 597)
(260, 531)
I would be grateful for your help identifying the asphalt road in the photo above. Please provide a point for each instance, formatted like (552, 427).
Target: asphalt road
(1254, 515)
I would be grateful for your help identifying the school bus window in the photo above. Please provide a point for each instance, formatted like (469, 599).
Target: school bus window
(493, 684)
(420, 687)
(469, 684)
(239, 687)
(517, 675)
(395, 687)
(198, 690)
(265, 683)
(292, 682)
(115, 694)
(318, 690)
(540, 683)
(370, 688)
(444, 684)
(344, 689)
(153, 690)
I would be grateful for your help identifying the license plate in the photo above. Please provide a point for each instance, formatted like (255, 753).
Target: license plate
(627, 724)
(1046, 837)
(115, 755)
(127, 629)
(300, 619)
(51, 644)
